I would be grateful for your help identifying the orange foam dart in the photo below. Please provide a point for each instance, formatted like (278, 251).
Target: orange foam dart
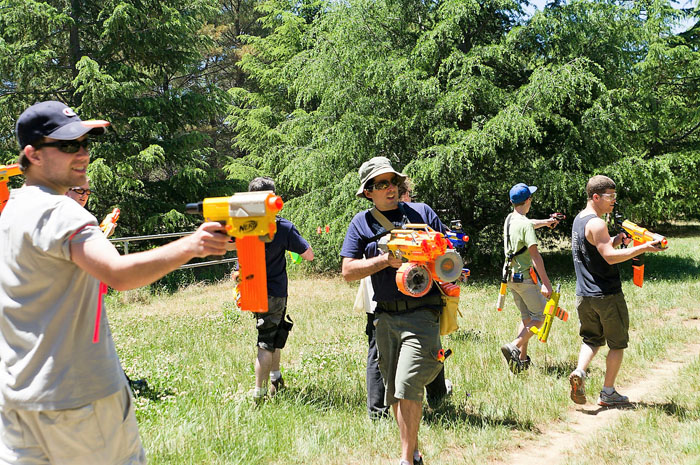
(450, 289)
(328, 229)
(562, 314)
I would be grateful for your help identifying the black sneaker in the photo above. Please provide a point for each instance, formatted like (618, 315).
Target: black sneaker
(419, 460)
(276, 386)
(525, 364)
(512, 356)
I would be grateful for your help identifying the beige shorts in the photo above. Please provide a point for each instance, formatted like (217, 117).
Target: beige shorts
(528, 299)
(103, 432)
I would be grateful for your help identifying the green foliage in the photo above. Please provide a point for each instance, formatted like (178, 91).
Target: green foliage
(470, 98)
(137, 64)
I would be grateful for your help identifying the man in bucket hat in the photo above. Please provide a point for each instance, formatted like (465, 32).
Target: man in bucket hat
(407, 328)
(63, 393)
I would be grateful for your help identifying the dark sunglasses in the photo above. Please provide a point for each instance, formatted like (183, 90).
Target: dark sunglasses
(66, 146)
(381, 185)
(81, 191)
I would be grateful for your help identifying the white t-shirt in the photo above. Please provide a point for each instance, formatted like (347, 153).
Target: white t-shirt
(48, 307)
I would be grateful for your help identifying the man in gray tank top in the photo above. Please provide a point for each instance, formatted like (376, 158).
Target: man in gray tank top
(600, 303)
(63, 395)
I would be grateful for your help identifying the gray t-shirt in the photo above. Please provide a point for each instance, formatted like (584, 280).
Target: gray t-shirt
(48, 307)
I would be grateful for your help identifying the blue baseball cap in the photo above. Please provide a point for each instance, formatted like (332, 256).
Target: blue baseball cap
(521, 192)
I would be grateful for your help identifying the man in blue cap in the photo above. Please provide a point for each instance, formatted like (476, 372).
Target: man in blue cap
(63, 395)
(520, 246)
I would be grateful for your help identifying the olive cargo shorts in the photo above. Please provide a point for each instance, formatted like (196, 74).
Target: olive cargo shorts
(408, 345)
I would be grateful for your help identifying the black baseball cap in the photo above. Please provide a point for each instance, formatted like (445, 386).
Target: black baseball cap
(56, 120)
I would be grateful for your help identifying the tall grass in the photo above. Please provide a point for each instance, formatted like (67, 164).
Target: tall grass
(196, 353)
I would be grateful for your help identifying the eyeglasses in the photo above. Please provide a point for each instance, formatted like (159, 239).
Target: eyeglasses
(381, 185)
(612, 196)
(66, 146)
(81, 191)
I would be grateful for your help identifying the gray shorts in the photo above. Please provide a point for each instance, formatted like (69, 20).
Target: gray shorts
(271, 324)
(528, 299)
(604, 319)
(104, 431)
(408, 345)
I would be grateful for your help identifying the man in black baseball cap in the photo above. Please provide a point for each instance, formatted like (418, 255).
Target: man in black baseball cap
(54, 120)
(57, 355)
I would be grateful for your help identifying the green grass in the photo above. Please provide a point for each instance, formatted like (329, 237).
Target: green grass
(196, 352)
(665, 431)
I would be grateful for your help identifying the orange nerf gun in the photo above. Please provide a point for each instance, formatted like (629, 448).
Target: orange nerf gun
(427, 258)
(110, 222)
(551, 310)
(6, 172)
(641, 235)
(250, 218)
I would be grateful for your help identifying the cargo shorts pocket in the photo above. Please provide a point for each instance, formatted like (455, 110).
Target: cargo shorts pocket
(71, 432)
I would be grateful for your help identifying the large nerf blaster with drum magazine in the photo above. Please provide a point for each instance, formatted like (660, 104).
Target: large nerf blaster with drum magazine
(6, 172)
(428, 256)
(551, 310)
(250, 218)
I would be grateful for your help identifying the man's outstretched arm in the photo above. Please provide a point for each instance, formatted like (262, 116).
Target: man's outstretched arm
(100, 258)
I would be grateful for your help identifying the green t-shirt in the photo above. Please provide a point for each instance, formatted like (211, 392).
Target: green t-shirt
(522, 234)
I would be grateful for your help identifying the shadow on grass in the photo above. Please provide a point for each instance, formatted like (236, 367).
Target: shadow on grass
(678, 230)
(448, 414)
(321, 398)
(671, 409)
(467, 335)
(141, 388)
(559, 369)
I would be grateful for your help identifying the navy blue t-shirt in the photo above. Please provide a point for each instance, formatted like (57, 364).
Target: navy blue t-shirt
(363, 227)
(286, 238)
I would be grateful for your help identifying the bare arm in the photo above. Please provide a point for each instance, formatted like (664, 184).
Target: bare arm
(357, 268)
(308, 254)
(538, 263)
(597, 234)
(99, 258)
(549, 222)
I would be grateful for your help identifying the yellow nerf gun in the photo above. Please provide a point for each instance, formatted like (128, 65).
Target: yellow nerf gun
(250, 218)
(427, 258)
(6, 172)
(641, 235)
(551, 310)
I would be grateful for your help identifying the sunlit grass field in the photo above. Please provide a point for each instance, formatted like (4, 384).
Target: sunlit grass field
(196, 352)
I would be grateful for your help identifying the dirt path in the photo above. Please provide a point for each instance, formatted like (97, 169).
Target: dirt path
(561, 439)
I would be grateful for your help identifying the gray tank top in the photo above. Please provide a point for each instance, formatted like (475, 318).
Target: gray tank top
(594, 276)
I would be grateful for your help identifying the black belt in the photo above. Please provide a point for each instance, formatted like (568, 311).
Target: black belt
(434, 301)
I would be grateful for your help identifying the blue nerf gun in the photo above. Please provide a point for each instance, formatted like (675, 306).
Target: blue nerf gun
(456, 236)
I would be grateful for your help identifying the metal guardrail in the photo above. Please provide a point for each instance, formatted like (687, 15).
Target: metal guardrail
(127, 240)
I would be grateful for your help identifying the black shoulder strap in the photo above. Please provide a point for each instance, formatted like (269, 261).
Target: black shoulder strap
(511, 256)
